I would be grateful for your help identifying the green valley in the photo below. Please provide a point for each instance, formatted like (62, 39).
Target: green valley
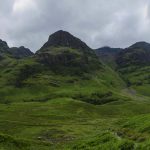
(66, 97)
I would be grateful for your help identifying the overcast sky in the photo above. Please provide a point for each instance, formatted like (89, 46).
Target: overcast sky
(116, 23)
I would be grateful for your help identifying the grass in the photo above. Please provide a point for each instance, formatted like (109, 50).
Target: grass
(66, 123)
(21, 79)
(143, 89)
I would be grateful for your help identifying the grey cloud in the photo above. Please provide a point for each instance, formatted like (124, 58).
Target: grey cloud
(117, 23)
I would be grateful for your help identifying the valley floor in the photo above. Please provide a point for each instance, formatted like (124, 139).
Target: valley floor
(69, 124)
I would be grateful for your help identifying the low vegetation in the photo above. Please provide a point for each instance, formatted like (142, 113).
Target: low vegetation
(65, 98)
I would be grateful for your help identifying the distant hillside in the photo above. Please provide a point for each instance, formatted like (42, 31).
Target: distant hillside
(15, 52)
(3, 47)
(108, 55)
(20, 52)
(134, 65)
(137, 54)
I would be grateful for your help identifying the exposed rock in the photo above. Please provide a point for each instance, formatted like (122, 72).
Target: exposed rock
(64, 39)
(105, 51)
(20, 52)
(3, 46)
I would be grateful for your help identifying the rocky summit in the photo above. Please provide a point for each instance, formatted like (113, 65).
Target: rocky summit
(64, 39)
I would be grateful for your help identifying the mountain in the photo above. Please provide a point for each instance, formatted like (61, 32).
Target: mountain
(137, 54)
(63, 64)
(66, 97)
(15, 52)
(134, 65)
(67, 54)
(20, 52)
(108, 55)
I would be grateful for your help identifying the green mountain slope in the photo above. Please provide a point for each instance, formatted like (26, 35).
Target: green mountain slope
(59, 71)
(134, 65)
(108, 55)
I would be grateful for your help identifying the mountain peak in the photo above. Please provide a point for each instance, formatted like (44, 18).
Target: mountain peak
(141, 44)
(64, 39)
(138, 54)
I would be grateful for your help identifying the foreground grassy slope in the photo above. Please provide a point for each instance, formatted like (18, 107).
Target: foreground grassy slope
(69, 124)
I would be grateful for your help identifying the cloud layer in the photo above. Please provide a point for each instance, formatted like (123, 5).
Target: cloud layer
(117, 23)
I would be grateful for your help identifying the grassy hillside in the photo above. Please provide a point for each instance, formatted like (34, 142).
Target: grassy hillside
(108, 55)
(69, 124)
(134, 65)
(65, 98)
(22, 78)
(70, 70)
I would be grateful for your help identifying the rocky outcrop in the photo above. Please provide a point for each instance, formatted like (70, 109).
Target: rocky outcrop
(20, 52)
(3, 47)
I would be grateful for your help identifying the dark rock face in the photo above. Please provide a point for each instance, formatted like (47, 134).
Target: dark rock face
(137, 54)
(68, 61)
(62, 59)
(3, 47)
(106, 52)
(65, 39)
(108, 55)
(20, 52)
